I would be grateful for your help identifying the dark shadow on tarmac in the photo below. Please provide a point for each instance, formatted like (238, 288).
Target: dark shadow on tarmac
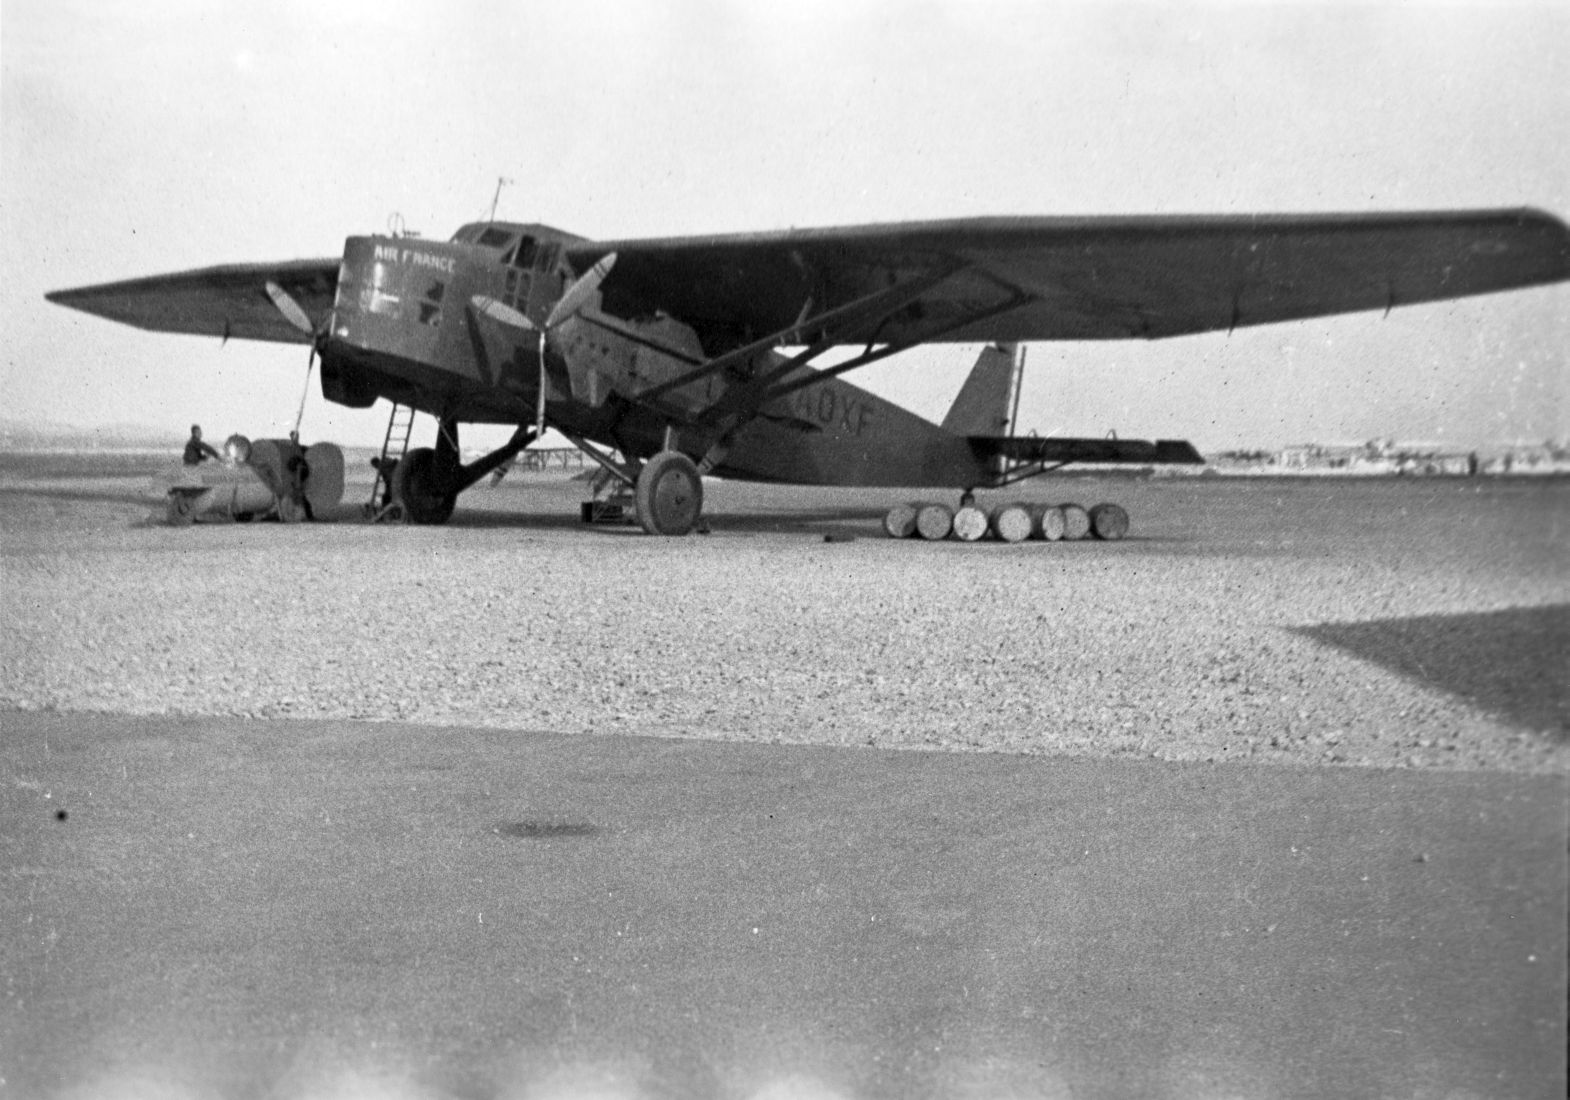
(864, 521)
(860, 522)
(1511, 663)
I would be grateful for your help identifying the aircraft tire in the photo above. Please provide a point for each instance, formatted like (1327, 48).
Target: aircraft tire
(413, 486)
(669, 494)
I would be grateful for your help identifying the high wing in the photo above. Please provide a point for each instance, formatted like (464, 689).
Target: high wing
(229, 301)
(1092, 278)
(960, 281)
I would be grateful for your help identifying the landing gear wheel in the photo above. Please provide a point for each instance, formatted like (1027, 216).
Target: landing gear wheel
(415, 485)
(669, 494)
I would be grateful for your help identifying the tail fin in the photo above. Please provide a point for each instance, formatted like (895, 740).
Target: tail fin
(985, 405)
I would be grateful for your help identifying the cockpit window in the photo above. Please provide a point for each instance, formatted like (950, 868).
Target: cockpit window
(525, 256)
(494, 238)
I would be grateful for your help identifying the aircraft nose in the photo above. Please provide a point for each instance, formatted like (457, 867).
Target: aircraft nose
(393, 294)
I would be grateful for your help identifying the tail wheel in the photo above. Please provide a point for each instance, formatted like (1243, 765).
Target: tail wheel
(417, 486)
(669, 494)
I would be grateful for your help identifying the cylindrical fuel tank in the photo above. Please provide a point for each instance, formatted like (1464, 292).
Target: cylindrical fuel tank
(220, 490)
(324, 488)
(300, 476)
(260, 478)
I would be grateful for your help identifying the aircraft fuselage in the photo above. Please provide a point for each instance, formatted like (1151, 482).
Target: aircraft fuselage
(406, 326)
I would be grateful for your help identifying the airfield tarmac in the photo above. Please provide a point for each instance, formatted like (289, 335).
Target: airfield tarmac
(491, 891)
(336, 909)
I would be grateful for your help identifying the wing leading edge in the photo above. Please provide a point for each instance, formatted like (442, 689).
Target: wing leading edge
(1099, 278)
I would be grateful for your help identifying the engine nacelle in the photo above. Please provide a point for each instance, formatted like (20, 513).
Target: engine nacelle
(607, 355)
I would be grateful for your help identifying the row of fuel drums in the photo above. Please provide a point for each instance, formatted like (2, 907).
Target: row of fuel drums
(1013, 522)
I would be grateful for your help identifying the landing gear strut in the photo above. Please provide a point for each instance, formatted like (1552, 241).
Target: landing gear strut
(426, 481)
(669, 494)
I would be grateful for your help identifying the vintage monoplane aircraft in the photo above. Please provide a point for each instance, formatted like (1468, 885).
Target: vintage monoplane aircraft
(693, 355)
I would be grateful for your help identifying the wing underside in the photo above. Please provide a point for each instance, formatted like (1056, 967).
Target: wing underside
(227, 302)
(1078, 278)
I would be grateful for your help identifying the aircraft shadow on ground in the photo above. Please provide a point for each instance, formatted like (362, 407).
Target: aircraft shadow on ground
(1510, 663)
(837, 520)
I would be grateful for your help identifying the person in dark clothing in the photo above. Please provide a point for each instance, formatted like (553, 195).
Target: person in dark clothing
(197, 452)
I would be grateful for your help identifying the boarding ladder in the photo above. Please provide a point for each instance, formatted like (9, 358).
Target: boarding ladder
(400, 425)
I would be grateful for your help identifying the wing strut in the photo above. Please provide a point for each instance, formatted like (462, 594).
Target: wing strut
(618, 471)
(872, 354)
(739, 405)
(882, 303)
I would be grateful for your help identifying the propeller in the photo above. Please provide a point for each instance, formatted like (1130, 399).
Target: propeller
(295, 314)
(572, 300)
(582, 289)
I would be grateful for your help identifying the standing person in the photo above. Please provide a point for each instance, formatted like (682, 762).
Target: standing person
(197, 452)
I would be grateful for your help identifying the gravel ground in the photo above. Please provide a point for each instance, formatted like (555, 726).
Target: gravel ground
(1420, 623)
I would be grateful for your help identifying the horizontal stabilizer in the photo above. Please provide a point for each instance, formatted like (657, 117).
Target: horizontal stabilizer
(1143, 452)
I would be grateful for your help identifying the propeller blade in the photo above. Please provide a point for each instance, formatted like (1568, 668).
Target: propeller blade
(539, 411)
(580, 291)
(293, 312)
(500, 311)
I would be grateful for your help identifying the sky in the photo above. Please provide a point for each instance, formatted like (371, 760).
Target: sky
(140, 139)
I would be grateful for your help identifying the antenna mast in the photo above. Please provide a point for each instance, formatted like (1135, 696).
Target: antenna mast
(500, 182)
